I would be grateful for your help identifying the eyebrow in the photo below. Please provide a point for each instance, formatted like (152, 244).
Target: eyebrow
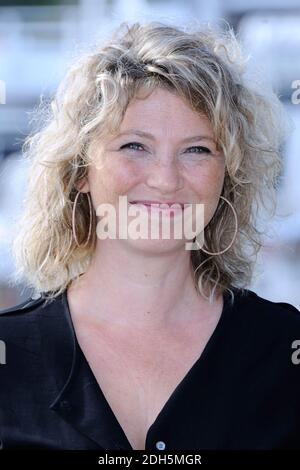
(151, 137)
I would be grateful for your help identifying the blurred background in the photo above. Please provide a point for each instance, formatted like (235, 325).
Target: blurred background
(39, 38)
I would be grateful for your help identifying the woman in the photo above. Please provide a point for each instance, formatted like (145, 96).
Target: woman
(141, 343)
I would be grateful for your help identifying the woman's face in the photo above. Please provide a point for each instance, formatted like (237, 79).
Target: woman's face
(177, 161)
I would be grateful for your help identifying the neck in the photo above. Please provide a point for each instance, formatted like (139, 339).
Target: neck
(131, 288)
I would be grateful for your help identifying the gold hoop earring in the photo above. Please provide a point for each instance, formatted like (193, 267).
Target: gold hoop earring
(73, 219)
(235, 234)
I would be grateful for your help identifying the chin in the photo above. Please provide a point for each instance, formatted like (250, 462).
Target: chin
(152, 246)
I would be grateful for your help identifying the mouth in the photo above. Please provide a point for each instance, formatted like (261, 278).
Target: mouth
(160, 205)
(156, 208)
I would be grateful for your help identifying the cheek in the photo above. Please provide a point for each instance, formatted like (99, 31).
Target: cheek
(208, 181)
(114, 178)
(124, 175)
(207, 185)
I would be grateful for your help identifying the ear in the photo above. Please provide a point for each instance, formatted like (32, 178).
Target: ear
(83, 185)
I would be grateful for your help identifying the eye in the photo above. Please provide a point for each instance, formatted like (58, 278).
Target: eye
(132, 143)
(130, 146)
(202, 149)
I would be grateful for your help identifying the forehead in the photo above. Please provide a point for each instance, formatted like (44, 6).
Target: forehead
(164, 111)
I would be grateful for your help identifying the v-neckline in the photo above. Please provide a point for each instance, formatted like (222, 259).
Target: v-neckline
(174, 394)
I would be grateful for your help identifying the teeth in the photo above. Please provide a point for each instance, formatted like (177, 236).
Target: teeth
(159, 205)
(156, 205)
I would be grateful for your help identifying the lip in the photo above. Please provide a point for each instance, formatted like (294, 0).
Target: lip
(157, 203)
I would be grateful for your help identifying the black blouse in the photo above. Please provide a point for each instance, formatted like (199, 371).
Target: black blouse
(241, 393)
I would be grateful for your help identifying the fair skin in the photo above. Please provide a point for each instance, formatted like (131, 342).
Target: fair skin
(138, 317)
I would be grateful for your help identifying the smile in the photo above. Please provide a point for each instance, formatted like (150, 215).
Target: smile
(160, 205)
(169, 209)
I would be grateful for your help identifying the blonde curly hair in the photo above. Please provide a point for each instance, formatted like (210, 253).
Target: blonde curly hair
(204, 66)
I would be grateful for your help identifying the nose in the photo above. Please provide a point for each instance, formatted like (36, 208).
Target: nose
(165, 177)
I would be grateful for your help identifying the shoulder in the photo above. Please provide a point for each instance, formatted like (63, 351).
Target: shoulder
(264, 323)
(21, 311)
(258, 306)
(18, 325)
(28, 329)
(21, 320)
(21, 307)
(265, 338)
